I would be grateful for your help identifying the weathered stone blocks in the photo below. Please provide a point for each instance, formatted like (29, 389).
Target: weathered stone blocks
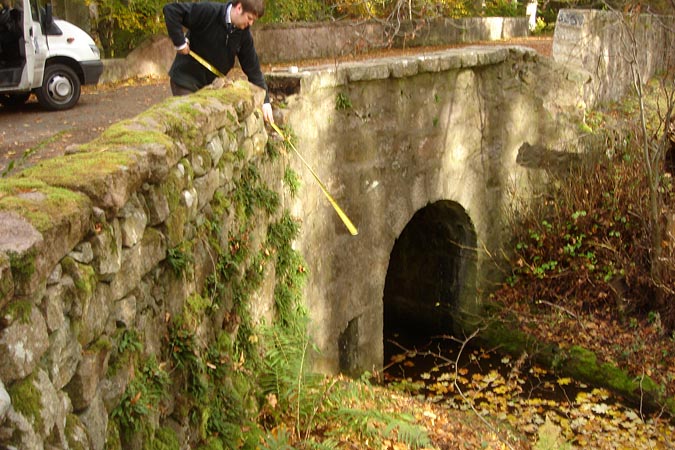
(63, 355)
(6, 280)
(107, 248)
(132, 220)
(22, 344)
(92, 367)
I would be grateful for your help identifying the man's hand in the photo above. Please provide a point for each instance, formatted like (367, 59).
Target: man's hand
(267, 112)
(185, 50)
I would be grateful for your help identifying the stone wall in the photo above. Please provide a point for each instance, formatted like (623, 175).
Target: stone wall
(278, 43)
(608, 45)
(106, 252)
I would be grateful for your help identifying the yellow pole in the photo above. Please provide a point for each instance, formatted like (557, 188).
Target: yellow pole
(206, 64)
(348, 223)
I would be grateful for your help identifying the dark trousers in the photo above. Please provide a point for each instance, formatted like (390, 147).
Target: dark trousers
(177, 89)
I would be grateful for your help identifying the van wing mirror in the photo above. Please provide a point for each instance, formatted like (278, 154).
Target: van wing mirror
(50, 28)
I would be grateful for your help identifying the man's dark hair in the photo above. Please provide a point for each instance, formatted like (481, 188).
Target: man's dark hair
(256, 7)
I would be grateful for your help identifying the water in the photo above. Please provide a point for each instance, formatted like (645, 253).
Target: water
(523, 394)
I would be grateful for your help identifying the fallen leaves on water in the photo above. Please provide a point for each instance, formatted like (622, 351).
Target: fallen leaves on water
(533, 401)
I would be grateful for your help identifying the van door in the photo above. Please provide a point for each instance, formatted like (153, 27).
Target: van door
(36, 44)
(13, 74)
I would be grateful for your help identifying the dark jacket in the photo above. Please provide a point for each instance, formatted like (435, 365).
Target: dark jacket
(211, 39)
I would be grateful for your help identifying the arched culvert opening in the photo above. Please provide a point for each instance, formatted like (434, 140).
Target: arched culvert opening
(431, 273)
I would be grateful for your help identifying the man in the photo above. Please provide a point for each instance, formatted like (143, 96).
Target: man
(218, 33)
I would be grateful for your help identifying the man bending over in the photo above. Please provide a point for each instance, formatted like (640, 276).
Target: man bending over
(218, 33)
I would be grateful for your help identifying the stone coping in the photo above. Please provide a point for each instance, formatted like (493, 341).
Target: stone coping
(331, 75)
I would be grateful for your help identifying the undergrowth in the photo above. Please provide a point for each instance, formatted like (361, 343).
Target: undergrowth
(582, 254)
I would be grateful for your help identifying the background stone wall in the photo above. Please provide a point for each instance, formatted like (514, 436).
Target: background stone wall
(609, 46)
(282, 43)
(104, 249)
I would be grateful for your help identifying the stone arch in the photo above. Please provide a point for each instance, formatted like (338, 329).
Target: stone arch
(431, 275)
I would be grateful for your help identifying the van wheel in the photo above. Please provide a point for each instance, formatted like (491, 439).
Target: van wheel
(12, 100)
(60, 88)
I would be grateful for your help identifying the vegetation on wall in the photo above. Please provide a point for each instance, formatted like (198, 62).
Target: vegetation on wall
(234, 380)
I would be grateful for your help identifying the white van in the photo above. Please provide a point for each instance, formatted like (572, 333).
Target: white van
(52, 58)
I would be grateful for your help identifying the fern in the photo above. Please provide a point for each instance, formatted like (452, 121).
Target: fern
(286, 374)
(369, 425)
(328, 444)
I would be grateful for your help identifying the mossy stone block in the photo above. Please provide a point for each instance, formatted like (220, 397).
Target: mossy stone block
(6, 281)
(107, 178)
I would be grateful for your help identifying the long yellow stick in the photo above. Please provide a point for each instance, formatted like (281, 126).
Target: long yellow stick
(348, 223)
(206, 64)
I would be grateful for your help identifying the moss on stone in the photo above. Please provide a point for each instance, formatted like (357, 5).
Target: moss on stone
(194, 309)
(172, 187)
(83, 276)
(112, 438)
(123, 135)
(103, 343)
(80, 171)
(22, 266)
(188, 168)
(38, 202)
(27, 400)
(175, 226)
(576, 362)
(72, 423)
(228, 158)
(508, 338)
(583, 364)
(18, 309)
(212, 444)
(174, 111)
(220, 204)
(165, 438)
(205, 155)
(6, 278)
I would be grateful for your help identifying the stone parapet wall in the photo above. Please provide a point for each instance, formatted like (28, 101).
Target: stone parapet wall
(111, 242)
(607, 45)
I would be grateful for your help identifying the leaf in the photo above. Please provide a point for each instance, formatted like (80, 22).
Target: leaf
(600, 408)
(564, 381)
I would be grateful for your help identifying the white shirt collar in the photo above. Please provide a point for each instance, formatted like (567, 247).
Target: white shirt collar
(227, 14)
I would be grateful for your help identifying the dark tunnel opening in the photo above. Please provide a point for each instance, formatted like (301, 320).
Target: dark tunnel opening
(431, 273)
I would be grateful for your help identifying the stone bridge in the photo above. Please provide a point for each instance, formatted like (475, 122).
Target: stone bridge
(427, 154)
(422, 153)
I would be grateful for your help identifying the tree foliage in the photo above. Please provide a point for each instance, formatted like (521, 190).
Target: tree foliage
(120, 25)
